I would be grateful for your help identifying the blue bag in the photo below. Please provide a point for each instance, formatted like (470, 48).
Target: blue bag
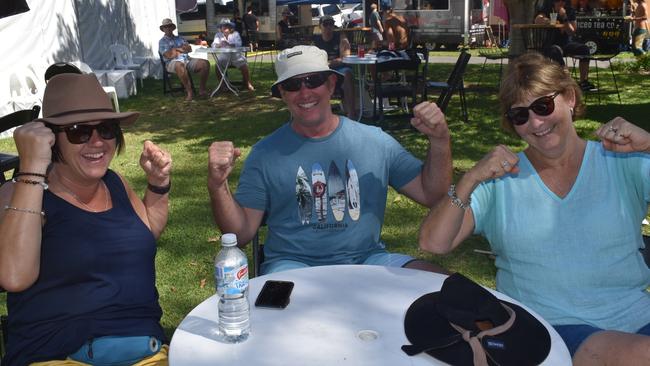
(116, 351)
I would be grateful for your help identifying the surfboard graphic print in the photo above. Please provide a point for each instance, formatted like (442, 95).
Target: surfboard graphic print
(336, 192)
(304, 197)
(352, 191)
(319, 189)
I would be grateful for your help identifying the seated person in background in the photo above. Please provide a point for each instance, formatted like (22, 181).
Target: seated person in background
(322, 179)
(229, 37)
(283, 30)
(396, 30)
(565, 46)
(77, 244)
(175, 54)
(562, 217)
(337, 46)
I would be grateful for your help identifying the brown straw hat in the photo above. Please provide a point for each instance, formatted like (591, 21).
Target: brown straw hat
(76, 98)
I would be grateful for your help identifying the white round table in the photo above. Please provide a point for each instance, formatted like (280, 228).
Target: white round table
(347, 314)
(215, 52)
(361, 62)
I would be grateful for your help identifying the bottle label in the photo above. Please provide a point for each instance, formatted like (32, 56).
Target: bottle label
(232, 280)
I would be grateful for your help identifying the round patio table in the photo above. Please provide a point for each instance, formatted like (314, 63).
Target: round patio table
(338, 315)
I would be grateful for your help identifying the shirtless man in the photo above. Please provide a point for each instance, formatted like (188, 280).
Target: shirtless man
(396, 30)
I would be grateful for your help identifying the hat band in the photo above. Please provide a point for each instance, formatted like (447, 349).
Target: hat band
(480, 358)
(78, 111)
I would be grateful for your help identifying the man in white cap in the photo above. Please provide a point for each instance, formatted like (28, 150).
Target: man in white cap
(321, 180)
(174, 50)
(229, 37)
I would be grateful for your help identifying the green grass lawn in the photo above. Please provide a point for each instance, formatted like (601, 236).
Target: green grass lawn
(187, 247)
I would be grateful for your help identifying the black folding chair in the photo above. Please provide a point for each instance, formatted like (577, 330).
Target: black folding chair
(602, 58)
(168, 86)
(403, 68)
(9, 161)
(453, 83)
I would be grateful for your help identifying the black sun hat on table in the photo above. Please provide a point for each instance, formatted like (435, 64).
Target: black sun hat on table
(471, 326)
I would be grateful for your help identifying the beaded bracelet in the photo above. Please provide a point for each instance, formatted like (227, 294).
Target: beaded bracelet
(21, 174)
(456, 201)
(25, 210)
(29, 181)
(159, 189)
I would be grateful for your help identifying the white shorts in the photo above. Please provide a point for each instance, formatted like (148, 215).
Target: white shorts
(191, 65)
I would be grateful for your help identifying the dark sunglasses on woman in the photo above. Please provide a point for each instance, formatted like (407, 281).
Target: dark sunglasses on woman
(80, 134)
(542, 107)
(312, 81)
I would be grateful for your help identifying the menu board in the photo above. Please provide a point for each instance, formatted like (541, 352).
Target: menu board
(603, 34)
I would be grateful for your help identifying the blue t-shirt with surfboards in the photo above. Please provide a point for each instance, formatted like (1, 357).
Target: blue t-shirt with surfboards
(324, 198)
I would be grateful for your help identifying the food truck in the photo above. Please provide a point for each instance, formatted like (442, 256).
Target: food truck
(601, 25)
(447, 23)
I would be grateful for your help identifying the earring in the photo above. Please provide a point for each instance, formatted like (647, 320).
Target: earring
(571, 110)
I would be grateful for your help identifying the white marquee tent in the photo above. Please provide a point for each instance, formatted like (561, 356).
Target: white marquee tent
(73, 30)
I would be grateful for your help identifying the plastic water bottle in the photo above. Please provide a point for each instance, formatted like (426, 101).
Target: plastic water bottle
(231, 278)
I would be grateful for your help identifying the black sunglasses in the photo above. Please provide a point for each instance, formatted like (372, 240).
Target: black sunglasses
(311, 82)
(80, 134)
(542, 107)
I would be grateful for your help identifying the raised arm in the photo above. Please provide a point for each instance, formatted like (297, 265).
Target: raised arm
(431, 185)
(157, 165)
(622, 136)
(21, 220)
(452, 220)
(229, 216)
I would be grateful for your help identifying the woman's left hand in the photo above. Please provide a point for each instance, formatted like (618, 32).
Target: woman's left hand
(620, 135)
(156, 163)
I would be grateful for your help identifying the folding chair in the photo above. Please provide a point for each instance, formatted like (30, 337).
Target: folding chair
(123, 60)
(9, 161)
(258, 249)
(168, 87)
(453, 83)
(401, 85)
(260, 52)
(489, 49)
(602, 58)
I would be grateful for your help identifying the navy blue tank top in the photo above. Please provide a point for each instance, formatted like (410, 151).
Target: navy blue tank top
(97, 278)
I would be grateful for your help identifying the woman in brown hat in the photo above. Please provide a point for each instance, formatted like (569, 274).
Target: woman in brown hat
(77, 245)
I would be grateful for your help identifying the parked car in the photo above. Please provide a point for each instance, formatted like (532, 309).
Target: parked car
(353, 16)
(317, 11)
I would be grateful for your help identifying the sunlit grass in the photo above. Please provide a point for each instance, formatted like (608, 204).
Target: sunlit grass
(188, 245)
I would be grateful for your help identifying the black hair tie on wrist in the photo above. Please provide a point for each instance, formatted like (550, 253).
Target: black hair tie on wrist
(159, 189)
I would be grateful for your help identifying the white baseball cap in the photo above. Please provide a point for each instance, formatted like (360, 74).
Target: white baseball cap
(300, 60)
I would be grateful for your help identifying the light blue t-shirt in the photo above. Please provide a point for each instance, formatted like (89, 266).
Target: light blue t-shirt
(574, 260)
(324, 198)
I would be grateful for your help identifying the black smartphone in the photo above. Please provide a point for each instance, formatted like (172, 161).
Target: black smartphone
(274, 294)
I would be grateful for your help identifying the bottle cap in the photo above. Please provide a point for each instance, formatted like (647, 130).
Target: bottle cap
(228, 240)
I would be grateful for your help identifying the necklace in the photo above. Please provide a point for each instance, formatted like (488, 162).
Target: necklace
(82, 202)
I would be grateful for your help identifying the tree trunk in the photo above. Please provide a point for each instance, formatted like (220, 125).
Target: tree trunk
(519, 12)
